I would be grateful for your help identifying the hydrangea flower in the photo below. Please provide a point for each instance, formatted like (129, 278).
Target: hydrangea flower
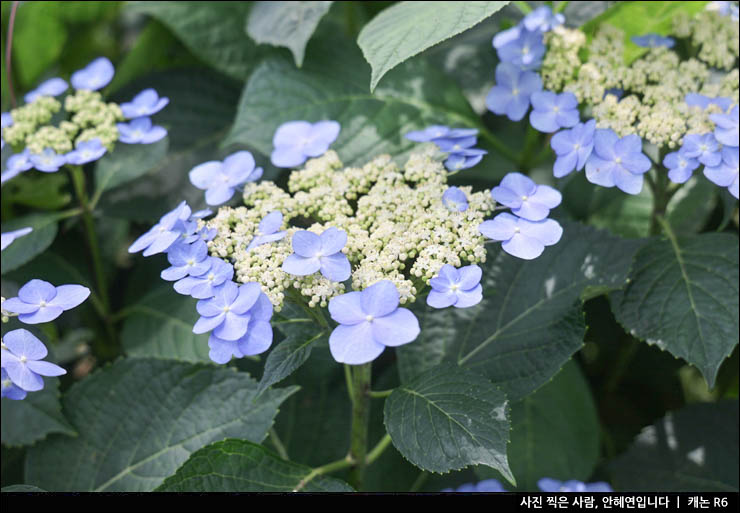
(487, 485)
(295, 141)
(547, 484)
(460, 288)
(227, 312)
(22, 355)
(464, 159)
(257, 339)
(726, 130)
(573, 147)
(522, 238)
(679, 166)
(453, 142)
(617, 161)
(205, 285)
(268, 230)
(454, 199)
(551, 112)
(699, 100)
(10, 389)
(8, 237)
(140, 131)
(653, 41)
(187, 260)
(17, 164)
(369, 321)
(145, 103)
(86, 151)
(48, 161)
(319, 253)
(543, 19)
(703, 147)
(512, 92)
(220, 179)
(440, 131)
(39, 301)
(94, 76)
(725, 174)
(525, 198)
(51, 87)
(525, 52)
(506, 36)
(163, 234)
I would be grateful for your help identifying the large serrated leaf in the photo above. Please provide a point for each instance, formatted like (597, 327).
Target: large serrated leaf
(683, 297)
(407, 28)
(449, 418)
(289, 355)
(694, 449)
(241, 466)
(139, 420)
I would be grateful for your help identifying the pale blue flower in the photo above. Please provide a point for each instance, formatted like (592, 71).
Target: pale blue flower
(369, 321)
(187, 260)
(726, 130)
(140, 131)
(512, 92)
(543, 19)
(146, 103)
(617, 161)
(86, 151)
(16, 164)
(679, 166)
(460, 288)
(220, 179)
(268, 230)
(22, 355)
(457, 140)
(701, 101)
(8, 237)
(51, 87)
(163, 234)
(653, 41)
(703, 147)
(455, 200)
(94, 76)
(725, 174)
(439, 131)
(295, 141)
(48, 161)
(206, 285)
(525, 52)
(547, 484)
(257, 339)
(487, 485)
(227, 312)
(522, 238)
(39, 301)
(573, 147)
(551, 112)
(10, 389)
(525, 198)
(506, 36)
(323, 253)
(6, 120)
(464, 159)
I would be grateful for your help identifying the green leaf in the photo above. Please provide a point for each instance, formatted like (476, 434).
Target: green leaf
(161, 326)
(331, 85)
(47, 192)
(21, 488)
(85, 12)
(37, 54)
(213, 31)
(408, 28)
(449, 418)
(139, 419)
(554, 432)
(530, 321)
(288, 24)
(32, 419)
(692, 449)
(683, 297)
(241, 466)
(289, 355)
(25, 248)
(127, 162)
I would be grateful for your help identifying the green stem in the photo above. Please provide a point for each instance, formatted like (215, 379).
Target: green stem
(376, 451)
(348, 379)
(324, 469)
(531, 139)
(379, 394)
(523, 6)
(419, 482)
(360, 416)
(659, 188)
(560, 7)
(278, 444)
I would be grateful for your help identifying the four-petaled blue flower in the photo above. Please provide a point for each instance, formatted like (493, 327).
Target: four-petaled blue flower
(543, 19)
(163, 234)
(145, 103)
(726, 130)
(522, 238)
(547, 484)
(8, 237)
(525, 52)
(369, 321)
(268, 230)
(460, 288)
(51, 87)
(220, 179)
(573, 147)
(455, 200)
(140, 131)
(617, 161)
(205, 285)
(187, 260)
(679, 166)
(438, 132)
(513, 90)
(487, 485)
(701, 101)
(295, 141)
(86, 151)
(48, 161)
(39, 301)
(323, 253)
(257, 339)
(227, 312)
(17, 164)
(525, 198)
(94, 76)
(551, 111)
(703, 147)
(725, 174)
(10, 389)
(653, 41)
(22, 355)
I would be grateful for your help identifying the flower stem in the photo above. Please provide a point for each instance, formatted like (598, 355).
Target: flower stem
(360, 416)
(498, 144)
(376, 451)
(9, 55)
(324, 469)
(379, 394)
(278, 444)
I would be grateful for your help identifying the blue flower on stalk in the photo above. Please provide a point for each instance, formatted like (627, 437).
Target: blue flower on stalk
(369, 321)
(145, 103)
(257, 339)
(460, 288)
(51, 87)
(295, 141)
(512, 92)
(521, 238)
(220, 179)
(573, 147)
(679, 166)
(94, 76)
(8, 237)
(205, 285)
(464, 159)
(703, 147)
(487, 485)
(86, 151)
(48, 161)
(187, 260)
(268, 230)
(140, 131)
(39, 301)
(22, 355)
(433, 132)
(525, 52)
(543, 19)
(653, 41)
(547, 484)
(525, 198)
(551, 112)
(16, 164)
(454, 199)
(617, 161)
(726, 130)
(162, 235)
(323, 253)
(10, 389)
(725, 174)
(701, 101)
(227, 313)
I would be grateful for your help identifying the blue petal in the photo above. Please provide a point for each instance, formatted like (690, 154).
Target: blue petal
(70, 296)
(523, 247)
(397, 328)
(468, 298)
(221, 351)
(354, 344)
(22, 376)
(335, 267)
(332, 241)
(306, 244)
(22, 342)
(234, 326)
(287, 157)
(205, 324)
(380, 299)
(441, 299)
(43, 314)
(346, 308)
(271, 223)
(45, 368)
(36, 291)
(502, 227)
(565, 164)
(203, 175)
(257, 340)
(470, 276)
(301, 266)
